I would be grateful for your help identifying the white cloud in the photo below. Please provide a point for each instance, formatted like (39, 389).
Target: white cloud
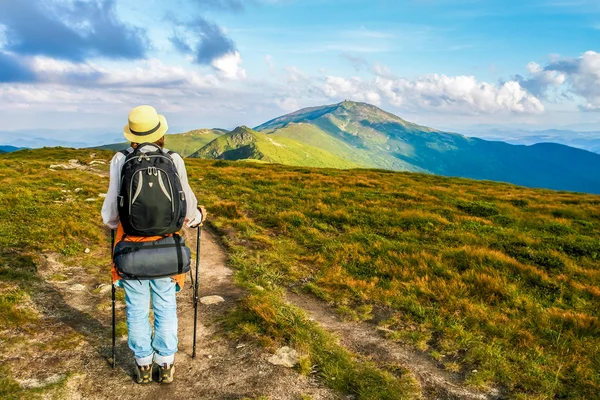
(582, 75)
(229, 66)
(352, 89)
(288, 104)
(51, 69)
(591, 107)
(295, 75)
(383, 71)
(373, 98)
(458, 94)
(541, 80)
(462, 94)
(148, 73)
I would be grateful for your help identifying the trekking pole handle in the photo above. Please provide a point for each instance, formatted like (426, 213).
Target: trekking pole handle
(204, 215)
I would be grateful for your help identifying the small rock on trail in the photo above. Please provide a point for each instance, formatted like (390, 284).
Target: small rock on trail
(285, 356)
(104, 288)
(208, 300)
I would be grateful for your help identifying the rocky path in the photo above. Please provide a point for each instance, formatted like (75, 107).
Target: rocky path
(223, 369)
(75, 344)
(366, 340)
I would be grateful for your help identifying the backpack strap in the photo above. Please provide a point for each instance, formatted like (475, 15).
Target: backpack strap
(170, 152)
(179, 255)
(124, 152)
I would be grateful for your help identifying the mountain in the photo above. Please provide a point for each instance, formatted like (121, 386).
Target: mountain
(182, 143)
(354, 131)
(589, 140)
(9, 149)
(75, 138)
(244, 143)
(372, 137)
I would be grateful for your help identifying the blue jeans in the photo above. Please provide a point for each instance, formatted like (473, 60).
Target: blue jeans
(162, 347)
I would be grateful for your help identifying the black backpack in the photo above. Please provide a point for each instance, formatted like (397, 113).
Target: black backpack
(151, 200)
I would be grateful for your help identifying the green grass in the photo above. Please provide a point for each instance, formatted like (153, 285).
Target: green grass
(265, 317)
(244, 143)
(189, 142)
(33, 192)
(481, 275)
(495, 278)
(35, 218)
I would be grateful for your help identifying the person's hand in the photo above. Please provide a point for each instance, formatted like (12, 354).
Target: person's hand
(198, 219)
(203, 211)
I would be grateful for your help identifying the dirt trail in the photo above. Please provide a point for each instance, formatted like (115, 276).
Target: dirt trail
(77, 312)
(366, 340)
(223, 369)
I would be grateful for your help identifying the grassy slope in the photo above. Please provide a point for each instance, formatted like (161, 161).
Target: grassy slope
(482, 276)
(315, 136)
(35, 218)
(182, 143)
(244, 143)
(41, 213)
(342, 129)
(373, 137)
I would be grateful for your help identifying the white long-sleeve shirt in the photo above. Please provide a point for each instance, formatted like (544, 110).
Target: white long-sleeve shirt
(110, 211)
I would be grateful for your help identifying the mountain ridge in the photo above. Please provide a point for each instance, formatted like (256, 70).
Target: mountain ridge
(375, 138)
(244, 143)
(184, 143)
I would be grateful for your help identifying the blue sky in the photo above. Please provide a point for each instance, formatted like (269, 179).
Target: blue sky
(78, 65)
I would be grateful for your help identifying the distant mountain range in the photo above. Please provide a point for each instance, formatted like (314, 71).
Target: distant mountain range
(583, 140)
(351, 135)
(9, 149)
(370, 137)
(79, 138)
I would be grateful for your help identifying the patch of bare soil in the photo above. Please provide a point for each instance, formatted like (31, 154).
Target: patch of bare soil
(75, 345)
(366, 340)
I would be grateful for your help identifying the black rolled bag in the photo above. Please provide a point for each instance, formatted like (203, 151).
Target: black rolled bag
(162, 258)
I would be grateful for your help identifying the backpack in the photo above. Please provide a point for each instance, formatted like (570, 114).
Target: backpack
(151, 201)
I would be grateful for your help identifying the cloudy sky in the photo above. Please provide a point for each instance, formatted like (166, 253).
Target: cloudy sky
(451, 64)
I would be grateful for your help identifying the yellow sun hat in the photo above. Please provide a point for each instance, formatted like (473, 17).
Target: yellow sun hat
(145, 125)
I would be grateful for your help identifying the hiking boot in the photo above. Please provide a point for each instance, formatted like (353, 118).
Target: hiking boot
(143, 373)
(166, 372)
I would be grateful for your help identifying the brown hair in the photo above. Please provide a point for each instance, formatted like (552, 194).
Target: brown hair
(160, 142)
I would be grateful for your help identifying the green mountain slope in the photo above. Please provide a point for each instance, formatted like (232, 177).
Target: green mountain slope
(372, 137)
(245, 144)
(182, 143)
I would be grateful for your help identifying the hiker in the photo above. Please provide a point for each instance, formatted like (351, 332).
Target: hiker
(145, 125)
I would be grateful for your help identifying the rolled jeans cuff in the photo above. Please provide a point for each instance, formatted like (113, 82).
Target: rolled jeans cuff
(160, 360)
(141, 361)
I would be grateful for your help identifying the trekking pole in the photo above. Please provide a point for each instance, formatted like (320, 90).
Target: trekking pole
(114, 289)
(195, 283)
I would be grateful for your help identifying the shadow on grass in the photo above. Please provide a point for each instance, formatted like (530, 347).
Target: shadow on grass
(19, 271)
(97, 334)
